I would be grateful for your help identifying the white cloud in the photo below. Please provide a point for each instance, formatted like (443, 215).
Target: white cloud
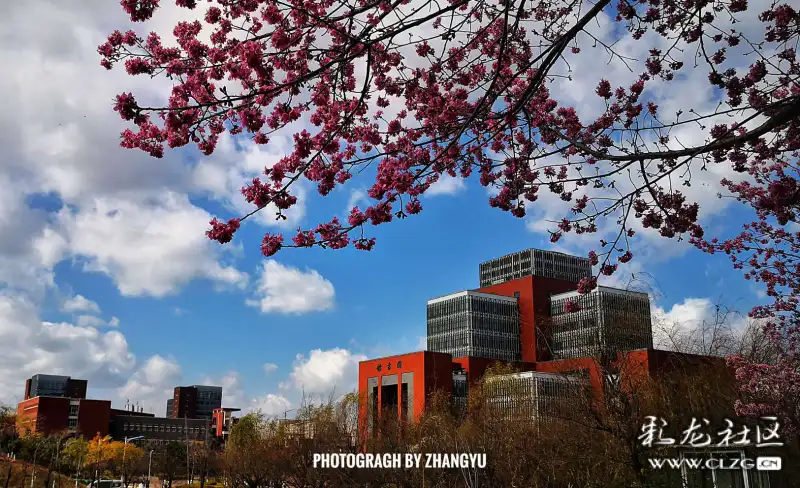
(323, 371)
(58, 136)
(147, 248)
(152, 384)
(271, 404)
(89, 321)
(94, 321)
(79, 303)
(288, 290)
(270, 368)
(696, 325)
(446, 185)
(691, 312)
(357, 196)
(29, 346)
(233, 394)
(235, 163)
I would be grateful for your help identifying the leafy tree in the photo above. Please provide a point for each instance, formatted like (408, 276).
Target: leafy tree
(205, 459)
(9, 438)
(125, 459)
(75, 454)
(255, 454)
(169, 462)
(99, 455)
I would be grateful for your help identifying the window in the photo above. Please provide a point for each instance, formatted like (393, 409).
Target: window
(73, 423)
(73, 410)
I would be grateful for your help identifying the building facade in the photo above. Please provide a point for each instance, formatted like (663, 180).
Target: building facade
(223, 421)
(398, 386)
(160, 429)
(609, 321)
(46, 415)
(209, 398)
(54, 386)
(534, 262)
(470, 323)
(518, 318)
(533, 395)
(194, 402)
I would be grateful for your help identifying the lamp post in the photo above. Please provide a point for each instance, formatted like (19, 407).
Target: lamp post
(287, 411)
(124, 451)
(35, 452)
(149, 464)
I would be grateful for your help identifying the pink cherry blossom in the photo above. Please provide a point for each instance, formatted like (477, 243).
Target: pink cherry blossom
(467, 87)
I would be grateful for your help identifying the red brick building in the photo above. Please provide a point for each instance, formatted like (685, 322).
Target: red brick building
(548, 337)
(55, 415)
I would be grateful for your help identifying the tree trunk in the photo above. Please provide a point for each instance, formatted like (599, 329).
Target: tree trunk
(8, 476)
(638, 468)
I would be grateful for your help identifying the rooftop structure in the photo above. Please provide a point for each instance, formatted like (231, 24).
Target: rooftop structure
(534, 262)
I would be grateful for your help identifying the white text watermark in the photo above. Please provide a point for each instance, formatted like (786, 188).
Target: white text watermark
(762, 463)
(337, 460)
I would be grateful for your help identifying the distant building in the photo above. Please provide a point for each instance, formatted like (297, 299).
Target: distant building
(159, 429)
(609, 321)
(471, 323)
(195, 402)
(54, 386)
(170, 404)
(223, 421)
(48, 415)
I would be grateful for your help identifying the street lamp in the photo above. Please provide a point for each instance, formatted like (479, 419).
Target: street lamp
(124, 451)
(149, 463)
(35, 452)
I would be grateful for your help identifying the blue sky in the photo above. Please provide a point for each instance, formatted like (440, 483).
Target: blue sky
(105, 273)
(379, 304)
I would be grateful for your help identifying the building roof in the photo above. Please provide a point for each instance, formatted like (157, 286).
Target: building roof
(604, 289)
(558, 253)
(472, 293)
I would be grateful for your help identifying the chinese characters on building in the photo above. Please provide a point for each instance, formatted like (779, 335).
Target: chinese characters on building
(700, 434)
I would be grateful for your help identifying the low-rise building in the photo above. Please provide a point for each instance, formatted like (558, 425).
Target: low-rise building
(223, 421)
(46, 415)
(160, 429)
